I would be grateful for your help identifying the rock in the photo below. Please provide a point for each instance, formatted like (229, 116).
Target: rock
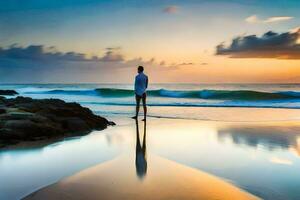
(75, 124)
(111, 123)
(8, 92)
(23, 119)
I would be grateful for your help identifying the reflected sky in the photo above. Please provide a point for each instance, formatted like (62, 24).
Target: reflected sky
(260, 158)
(22, 171)
(267, 136)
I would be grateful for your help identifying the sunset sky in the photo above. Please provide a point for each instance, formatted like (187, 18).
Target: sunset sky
(196, 41)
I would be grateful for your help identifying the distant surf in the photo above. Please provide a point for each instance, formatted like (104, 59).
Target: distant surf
(242, 95)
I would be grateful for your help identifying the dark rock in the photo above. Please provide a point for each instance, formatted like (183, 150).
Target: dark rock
(75, 124)
(8, 92)
(24, 118)
(111, 123)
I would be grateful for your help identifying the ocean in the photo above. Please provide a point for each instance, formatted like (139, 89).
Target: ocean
(166, 100)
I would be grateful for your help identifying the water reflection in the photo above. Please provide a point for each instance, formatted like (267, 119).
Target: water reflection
(140, 153)
(270, 137)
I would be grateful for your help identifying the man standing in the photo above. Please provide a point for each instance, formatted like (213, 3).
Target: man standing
(140, 86)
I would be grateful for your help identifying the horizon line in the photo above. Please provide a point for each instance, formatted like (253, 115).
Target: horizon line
(183, 83)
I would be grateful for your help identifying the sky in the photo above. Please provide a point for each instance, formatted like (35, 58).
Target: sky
(187, 41)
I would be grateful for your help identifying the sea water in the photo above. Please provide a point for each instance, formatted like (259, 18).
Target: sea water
(119, 98)
(241, 134)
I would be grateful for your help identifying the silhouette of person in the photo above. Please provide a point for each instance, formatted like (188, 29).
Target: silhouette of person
(140, 86)
(140, 153)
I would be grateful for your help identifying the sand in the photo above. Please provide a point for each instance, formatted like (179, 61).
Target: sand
(235, 145)
(163, 179)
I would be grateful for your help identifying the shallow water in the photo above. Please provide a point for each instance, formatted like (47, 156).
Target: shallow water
(259, 157)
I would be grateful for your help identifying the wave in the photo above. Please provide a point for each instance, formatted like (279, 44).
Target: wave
(242, 95)
(64, 92)
(208, 105)
(249, 95)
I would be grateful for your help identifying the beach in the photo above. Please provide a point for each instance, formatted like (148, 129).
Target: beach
(165, 179)
(186, 153)
(243, 158)
(149, 100)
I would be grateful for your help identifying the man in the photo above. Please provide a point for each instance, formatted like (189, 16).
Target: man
(140, 86)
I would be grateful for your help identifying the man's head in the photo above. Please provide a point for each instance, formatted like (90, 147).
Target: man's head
(140, 69)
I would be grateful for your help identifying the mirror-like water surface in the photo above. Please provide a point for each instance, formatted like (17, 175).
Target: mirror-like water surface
(261, 158)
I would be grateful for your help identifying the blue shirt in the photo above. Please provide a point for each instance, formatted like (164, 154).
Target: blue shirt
(140, 84)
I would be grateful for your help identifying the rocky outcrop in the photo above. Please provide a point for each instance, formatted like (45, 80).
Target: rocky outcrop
(8, 92)
(25, 119)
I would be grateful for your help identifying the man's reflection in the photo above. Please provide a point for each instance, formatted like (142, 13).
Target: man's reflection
(140, 153)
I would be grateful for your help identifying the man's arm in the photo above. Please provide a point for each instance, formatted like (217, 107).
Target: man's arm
(147, 82)
(135, 84)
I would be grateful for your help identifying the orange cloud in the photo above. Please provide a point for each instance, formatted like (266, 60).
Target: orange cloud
(171, 9)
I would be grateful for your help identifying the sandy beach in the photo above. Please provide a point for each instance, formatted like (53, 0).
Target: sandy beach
(214, 84)
(185, 159)
(165, 180)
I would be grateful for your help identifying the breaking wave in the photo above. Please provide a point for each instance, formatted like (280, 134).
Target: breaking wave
(243, 95)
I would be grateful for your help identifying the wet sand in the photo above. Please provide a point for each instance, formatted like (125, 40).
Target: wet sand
(165, 179)
(255, 153)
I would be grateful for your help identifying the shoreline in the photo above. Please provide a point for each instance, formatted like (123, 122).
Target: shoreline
(115, 117)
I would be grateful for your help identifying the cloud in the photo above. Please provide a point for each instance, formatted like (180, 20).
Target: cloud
(185, 64)
(277, 19)
(112, 55)
(253, 19)
(174, 65)
(161, 65)
(40, 64)
(40, 53)
(269, 45)
(50, 54)
(171, 9)
(113, 48)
